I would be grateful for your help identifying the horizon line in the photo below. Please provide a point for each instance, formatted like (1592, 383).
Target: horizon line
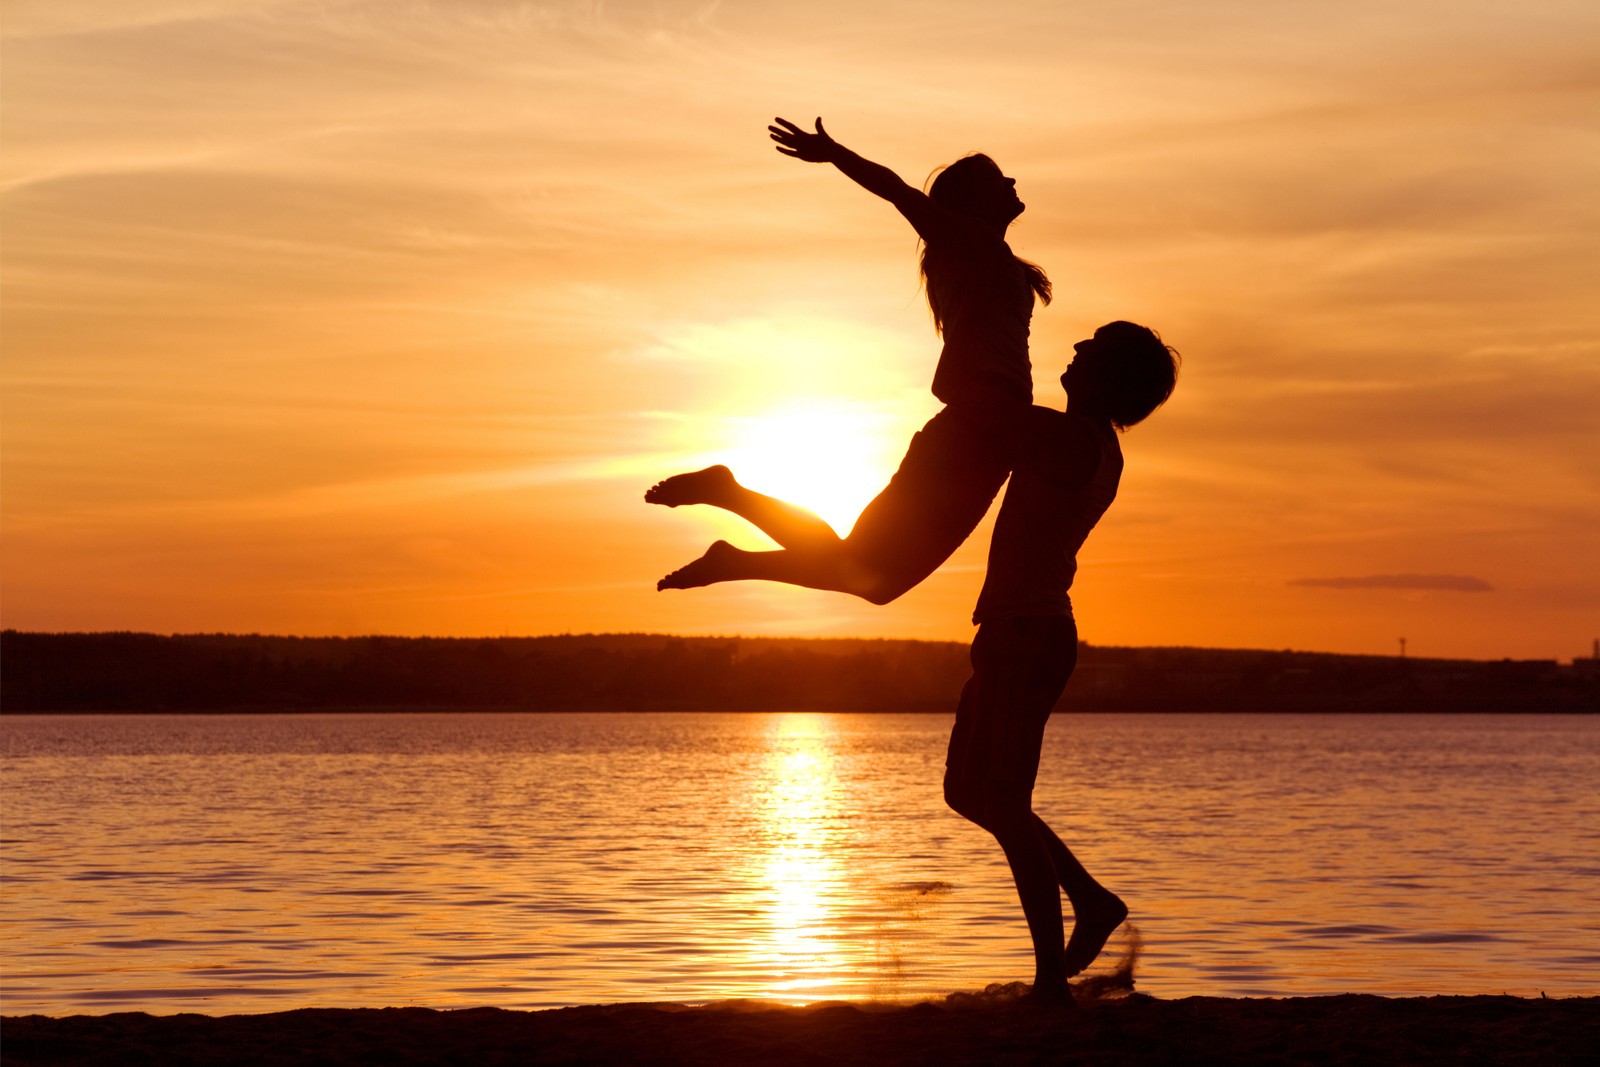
(1573, 660)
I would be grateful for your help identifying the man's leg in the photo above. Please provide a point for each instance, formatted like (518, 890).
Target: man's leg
(1096, 911)
(992, 763)
(1034, 873)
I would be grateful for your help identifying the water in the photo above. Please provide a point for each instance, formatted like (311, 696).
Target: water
(258, 863)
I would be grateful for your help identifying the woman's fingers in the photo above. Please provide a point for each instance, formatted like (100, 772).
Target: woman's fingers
(793, 141)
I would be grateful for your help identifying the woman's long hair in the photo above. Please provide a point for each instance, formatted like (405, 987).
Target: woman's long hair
(952, 187)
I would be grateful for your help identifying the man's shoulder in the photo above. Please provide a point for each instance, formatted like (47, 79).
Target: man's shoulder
(1061, 447)
(1062, 428)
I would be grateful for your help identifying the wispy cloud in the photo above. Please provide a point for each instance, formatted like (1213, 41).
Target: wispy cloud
(1449, 583)
(423, 265)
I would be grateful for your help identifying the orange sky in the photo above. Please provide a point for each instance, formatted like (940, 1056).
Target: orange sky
(331, 318)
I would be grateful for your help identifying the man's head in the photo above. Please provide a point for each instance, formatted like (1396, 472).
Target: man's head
(1124, 371)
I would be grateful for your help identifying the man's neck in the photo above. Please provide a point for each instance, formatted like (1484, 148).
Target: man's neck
(1087, 409)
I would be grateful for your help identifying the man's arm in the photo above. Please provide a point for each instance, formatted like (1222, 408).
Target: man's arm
(932, 222)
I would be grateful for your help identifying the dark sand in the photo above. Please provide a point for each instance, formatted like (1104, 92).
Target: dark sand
(1132, 1030)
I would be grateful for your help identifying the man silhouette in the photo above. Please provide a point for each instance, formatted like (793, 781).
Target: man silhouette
(1064, 478)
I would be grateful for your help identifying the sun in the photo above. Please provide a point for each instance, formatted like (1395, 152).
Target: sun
(832, 456)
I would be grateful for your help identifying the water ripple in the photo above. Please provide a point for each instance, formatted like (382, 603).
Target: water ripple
(241, 863)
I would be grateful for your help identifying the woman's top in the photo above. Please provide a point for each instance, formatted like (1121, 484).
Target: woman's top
(986, 304)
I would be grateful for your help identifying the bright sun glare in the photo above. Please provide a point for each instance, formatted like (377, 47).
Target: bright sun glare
(827, 455)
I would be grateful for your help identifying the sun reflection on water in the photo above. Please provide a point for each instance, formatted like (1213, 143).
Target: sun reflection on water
(798, 813)
(231, 864)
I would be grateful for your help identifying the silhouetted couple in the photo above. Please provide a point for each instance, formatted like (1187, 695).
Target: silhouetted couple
(1064, 468)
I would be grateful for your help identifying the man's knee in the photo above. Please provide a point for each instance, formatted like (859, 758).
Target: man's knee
(992, 805)
(957, 800)
(962, 799)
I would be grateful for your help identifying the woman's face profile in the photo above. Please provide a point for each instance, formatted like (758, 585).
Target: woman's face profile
(995, 195)
(977, 186)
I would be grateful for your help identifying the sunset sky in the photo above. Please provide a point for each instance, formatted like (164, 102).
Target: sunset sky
(343, 318)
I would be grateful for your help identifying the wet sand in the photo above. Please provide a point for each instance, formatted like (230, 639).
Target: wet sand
(1354, 1030)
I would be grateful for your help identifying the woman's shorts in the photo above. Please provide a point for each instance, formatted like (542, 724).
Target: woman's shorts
(950, 474)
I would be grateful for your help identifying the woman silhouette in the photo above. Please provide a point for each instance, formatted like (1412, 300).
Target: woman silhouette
(982, 297)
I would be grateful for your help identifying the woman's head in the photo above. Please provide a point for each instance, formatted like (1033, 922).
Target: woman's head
(1125, 371)
(975, 185)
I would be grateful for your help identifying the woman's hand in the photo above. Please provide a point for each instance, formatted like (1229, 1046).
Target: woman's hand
(875, 178)
(812, 147)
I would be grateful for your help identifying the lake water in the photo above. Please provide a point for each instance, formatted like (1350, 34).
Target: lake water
(257, 863)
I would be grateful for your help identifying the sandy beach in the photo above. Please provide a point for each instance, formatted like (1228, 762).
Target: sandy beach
(962, 1029)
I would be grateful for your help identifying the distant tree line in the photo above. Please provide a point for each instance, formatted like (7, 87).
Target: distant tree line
(652, 672)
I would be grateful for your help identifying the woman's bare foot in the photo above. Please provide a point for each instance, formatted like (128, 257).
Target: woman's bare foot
(710, 568)
(710, 486)
(1091, 930)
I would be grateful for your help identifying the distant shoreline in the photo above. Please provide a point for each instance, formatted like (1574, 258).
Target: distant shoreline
(1342, 1031)
(85, 713)
(115, 673)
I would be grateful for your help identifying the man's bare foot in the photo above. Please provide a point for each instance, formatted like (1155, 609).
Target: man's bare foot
(710, 486)
(708, 569)
(1092, 929)
(1052, 995)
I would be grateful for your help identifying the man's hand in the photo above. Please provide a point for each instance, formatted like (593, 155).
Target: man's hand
(812, 147)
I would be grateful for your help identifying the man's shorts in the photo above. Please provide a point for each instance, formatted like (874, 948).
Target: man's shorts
(1019, 669)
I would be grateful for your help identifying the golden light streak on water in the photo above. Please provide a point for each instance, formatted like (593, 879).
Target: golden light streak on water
(252, 863)
(801, 872)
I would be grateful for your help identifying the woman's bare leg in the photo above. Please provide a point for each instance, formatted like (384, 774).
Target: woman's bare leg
(834, 568)
(787, 524)
(900, 538)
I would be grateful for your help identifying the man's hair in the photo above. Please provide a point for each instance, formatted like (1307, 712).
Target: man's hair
(1133, 371)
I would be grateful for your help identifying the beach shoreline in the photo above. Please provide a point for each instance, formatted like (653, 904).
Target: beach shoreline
(975, 1029)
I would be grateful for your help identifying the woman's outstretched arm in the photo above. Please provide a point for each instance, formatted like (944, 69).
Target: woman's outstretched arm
(929, 219)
